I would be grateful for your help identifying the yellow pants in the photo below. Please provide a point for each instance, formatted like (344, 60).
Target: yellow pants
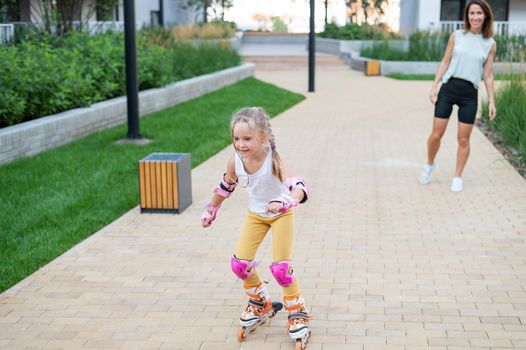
(253, 233)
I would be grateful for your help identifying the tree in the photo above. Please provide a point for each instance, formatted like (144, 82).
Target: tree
(363, 10)
(217, 7)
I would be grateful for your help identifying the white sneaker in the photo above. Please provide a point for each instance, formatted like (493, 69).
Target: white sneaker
(457, 184)
(425, 177)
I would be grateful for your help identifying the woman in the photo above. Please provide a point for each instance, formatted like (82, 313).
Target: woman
(470, 53)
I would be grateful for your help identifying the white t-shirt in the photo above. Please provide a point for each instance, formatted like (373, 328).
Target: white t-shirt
(262, 186)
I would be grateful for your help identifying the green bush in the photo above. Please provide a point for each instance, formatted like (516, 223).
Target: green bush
(511, 48)
(353, 31)
(430, 46)
(56, 74)
(427, 46)
(510, 123)
(423, 46)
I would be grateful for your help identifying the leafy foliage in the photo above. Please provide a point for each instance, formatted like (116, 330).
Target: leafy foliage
(510, 124)
(353, 31)
(361, 11)
(61, 73)
(430, 46)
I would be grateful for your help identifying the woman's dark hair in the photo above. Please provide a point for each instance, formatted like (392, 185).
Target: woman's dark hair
(487, 26)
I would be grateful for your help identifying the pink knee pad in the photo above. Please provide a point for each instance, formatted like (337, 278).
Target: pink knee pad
(242, 268)
(282, 272)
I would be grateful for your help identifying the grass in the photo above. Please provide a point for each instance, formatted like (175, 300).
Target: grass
(401, 76)
(54, 200)
(431, 77)
(510, 123)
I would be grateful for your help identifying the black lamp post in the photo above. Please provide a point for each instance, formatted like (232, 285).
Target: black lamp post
(312, 52)
(132, 88)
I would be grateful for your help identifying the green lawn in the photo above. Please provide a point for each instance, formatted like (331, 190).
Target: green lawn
(54, 200)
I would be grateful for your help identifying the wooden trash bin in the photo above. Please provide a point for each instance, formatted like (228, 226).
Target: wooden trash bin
(165, 183)
(372, 68)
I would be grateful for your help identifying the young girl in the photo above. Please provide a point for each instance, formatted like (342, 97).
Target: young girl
(469, 55)
(273, 193)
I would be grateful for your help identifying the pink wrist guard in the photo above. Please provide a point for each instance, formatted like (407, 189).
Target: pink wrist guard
(210, 213)
(286, 203)
(225, 189)
(298, 182)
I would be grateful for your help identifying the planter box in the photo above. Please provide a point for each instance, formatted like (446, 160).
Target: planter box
(44, 133)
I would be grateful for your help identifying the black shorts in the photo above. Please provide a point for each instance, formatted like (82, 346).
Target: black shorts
(461, 93)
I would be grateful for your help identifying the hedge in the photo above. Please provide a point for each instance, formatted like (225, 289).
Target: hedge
(56, 74)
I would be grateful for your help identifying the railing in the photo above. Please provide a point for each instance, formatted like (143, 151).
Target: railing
(7, 32)
(98, 27)
(499, 27)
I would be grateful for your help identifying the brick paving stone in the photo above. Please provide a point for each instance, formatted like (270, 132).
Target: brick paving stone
(384, 262)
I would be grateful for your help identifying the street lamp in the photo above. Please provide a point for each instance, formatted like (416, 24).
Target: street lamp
(132, 88)
(312, 53)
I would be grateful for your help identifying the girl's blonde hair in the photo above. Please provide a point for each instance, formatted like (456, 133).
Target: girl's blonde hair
(258, 120)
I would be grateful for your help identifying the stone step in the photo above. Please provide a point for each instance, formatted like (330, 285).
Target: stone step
(294, 62)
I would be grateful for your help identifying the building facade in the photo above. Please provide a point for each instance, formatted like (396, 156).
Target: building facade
(147, 12)
(510, 15)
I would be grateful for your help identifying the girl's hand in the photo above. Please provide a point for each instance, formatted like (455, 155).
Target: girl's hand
(209, 215)
(433, 95)
(492, 111)
(281, 204)
(274, 207)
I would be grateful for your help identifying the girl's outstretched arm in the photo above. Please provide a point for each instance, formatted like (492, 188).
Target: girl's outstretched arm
(222, 191)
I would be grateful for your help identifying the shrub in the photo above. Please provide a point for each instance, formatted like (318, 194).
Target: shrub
(430, 46)
(213, 30)
(511, 48)
(510, 123)
(353, 31)
(57, 74)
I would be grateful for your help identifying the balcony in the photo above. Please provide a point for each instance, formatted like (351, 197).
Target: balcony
(499, 27)
(7, 32)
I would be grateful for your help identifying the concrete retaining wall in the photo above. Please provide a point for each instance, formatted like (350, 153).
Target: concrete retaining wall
(269, 38)
(35, 136)
(418, 67)
(349, 50)
(338, 47)
(407, 67)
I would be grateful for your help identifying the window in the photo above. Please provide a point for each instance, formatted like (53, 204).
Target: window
(500, 9)
(154, 18)
(453, 10)
(9, 11)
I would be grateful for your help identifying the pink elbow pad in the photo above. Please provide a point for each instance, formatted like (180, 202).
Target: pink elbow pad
(225, 189)
(298, 182)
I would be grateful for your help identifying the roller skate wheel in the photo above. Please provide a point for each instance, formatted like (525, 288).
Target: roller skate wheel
(241, 335)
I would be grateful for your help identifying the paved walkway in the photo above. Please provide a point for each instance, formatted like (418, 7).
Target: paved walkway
(384, 262)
